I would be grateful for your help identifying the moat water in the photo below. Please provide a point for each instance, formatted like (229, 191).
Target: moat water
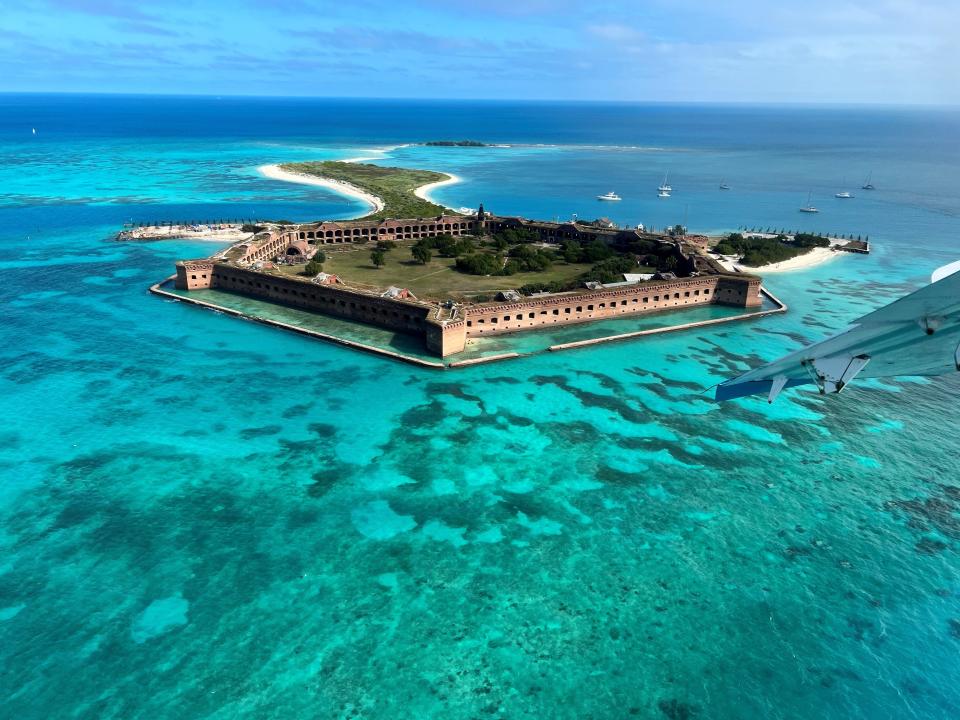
(202, 517)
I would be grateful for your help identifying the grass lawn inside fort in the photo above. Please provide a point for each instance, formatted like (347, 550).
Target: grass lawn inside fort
(438, 279)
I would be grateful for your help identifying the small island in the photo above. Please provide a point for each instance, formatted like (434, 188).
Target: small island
(455, 143)
(449, 278)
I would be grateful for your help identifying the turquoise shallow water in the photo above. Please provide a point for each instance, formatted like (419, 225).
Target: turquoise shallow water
(204, 517)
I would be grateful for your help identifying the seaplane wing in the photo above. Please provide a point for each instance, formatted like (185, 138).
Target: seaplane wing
(919, 334)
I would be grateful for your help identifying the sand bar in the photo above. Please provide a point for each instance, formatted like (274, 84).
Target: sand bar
(381, 153)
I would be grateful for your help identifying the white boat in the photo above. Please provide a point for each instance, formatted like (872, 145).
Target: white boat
(663, 193)
(724, 186)
(808, 208)
(867, 185)
(664, 187)
(609, 196)
(843, 195)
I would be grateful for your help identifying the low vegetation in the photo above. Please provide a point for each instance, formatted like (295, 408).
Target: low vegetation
(395, 186)
(755, 250)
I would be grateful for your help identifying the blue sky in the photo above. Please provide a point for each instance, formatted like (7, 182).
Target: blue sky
(847, 51)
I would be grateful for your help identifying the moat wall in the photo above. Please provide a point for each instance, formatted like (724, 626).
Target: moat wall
(442, 338)
(449, 337)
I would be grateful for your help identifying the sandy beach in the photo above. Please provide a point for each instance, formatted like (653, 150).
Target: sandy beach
(423, 192)
(275, 172)
(815, 257)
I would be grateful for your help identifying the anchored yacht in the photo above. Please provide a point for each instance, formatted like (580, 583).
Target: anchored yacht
(867, 185)
(609, 196)
(808, 208)
(843, 195)
(664, 186)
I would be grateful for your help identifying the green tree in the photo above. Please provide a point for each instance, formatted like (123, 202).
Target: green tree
(597, 251)
(422, 254)
(446, 245)
(480, 264)
(378, 257)
(572, 252)
(465, 246)
(313, 267)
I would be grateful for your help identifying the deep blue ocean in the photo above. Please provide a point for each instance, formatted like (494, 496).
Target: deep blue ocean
(201, 517)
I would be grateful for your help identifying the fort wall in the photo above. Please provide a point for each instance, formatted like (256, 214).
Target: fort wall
(363, 230)
(402, 315)
(605, 304)
(194, 274)
(447, 338)
(449, 335)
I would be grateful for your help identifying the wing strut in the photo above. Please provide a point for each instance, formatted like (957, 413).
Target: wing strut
(779, 382)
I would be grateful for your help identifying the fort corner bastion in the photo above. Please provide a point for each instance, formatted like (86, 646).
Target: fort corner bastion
(249, 268)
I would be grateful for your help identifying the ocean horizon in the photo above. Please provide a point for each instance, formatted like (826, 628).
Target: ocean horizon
(205, 517)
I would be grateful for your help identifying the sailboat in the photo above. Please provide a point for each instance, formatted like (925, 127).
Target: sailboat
(664, 188)
(663, 193)
(867, 185)
(808, 208)
(724, 186)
